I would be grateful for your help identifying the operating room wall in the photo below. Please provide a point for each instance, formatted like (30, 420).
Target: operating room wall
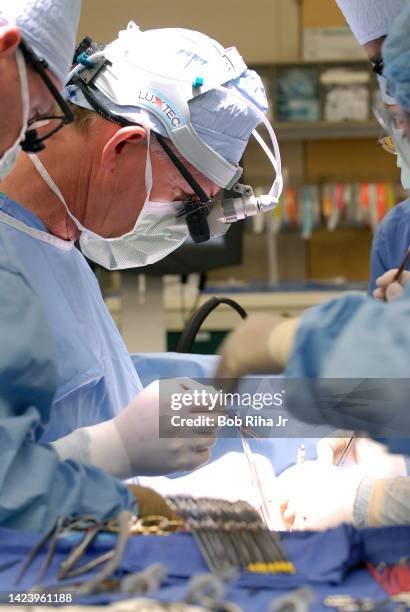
(263, 30)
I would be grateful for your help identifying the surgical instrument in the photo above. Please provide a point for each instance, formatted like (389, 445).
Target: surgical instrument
(36, 550)
(52, 548)
(301, 455)
(231, 536)
(347, 449)
(93, 585)
(150, 579)
(90, 533)
(256, 482)
(402, 266)
(210, 592)
(8, 564)
(298, 600)
(400, 270)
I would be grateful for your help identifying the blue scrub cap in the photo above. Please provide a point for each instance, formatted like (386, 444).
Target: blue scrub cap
(48, 26)
(224, 122)
(396, 56)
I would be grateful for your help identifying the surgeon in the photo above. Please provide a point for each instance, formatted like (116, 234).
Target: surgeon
(35, 485)
(162, 120)
(350, 338)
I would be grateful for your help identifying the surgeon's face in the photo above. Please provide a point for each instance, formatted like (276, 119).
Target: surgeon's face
(169, 185)
(11, 108)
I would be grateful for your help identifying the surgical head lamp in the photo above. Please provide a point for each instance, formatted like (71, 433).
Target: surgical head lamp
(99, 71)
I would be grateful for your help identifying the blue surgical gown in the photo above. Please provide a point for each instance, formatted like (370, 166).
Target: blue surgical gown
(390, 242)
(35, 486)
(96, 376)
(356, 337)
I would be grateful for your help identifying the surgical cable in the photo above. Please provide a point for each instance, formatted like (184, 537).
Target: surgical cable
(186, 341)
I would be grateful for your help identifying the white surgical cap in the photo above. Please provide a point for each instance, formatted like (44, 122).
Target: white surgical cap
(48, 26)
(224, 122)
(370, 19)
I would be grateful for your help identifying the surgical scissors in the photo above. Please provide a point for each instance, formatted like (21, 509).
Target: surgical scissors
(52, 535)
(91, 526)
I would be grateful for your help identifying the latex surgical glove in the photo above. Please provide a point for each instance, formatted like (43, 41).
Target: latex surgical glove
(259, 345)
(132, 444)
(371, 458)
(389, 289)
(317, 496)
(151, 503)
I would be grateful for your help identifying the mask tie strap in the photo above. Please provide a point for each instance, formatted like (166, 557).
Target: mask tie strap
(39, 166)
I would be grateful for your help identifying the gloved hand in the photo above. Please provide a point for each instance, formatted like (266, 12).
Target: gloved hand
(177, 449)
(130, 444)
(330, 449)
(259, 345)
(371, 458)
(388, 289)
(317, 496)
(151, 503)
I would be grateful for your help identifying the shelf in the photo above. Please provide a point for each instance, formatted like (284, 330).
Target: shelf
(324, 130)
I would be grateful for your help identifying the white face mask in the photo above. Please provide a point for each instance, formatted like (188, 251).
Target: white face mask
(405, 172)
(157, 231)
(403, 156)
(9, 159)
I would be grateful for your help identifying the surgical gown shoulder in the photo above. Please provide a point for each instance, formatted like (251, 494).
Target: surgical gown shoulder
(96, 377)
(355, 338)
(28, 371)
(390, 242)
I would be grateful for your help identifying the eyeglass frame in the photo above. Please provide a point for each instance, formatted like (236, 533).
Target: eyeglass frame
(378, 65)
(32, 142)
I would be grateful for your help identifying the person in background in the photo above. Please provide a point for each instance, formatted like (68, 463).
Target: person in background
(353, 337)
(32, 71)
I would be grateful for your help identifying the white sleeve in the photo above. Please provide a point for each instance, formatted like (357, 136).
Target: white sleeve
(98, 445)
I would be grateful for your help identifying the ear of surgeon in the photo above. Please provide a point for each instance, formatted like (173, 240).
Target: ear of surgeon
(111, 171)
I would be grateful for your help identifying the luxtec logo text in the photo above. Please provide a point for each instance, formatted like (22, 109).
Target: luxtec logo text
(150, 97)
